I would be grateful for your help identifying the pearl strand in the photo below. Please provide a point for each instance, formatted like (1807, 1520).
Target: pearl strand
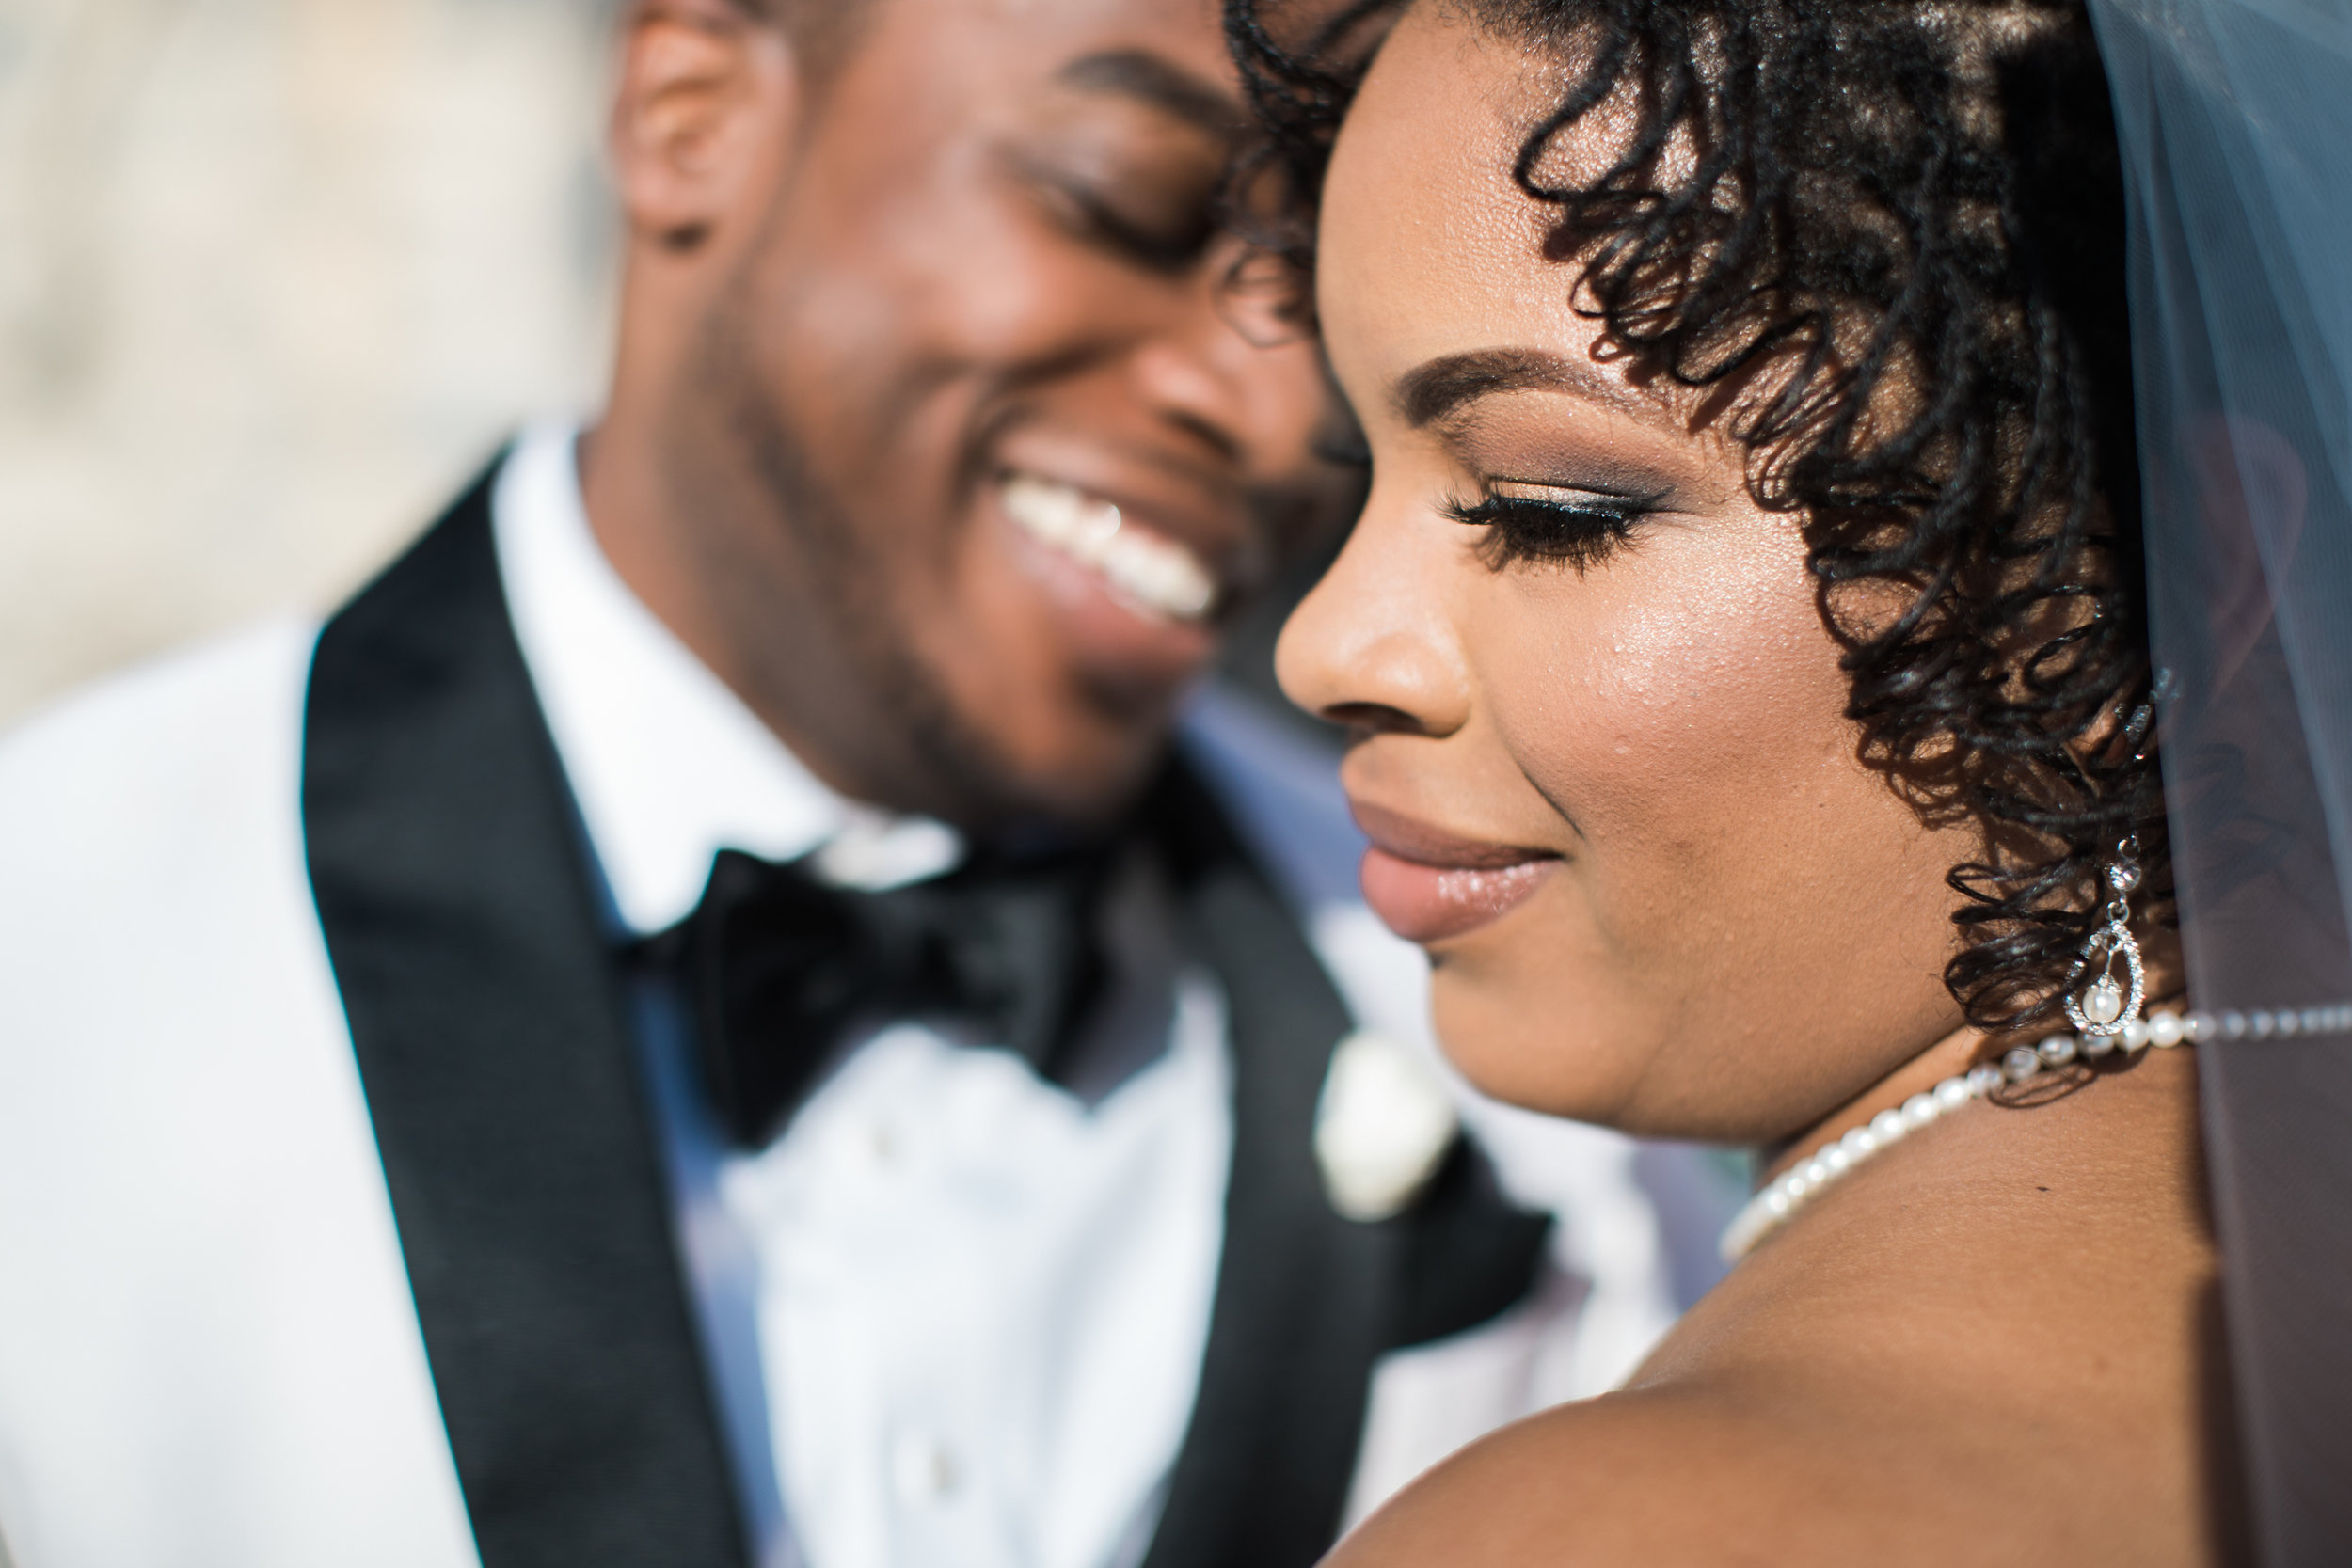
(1797, 1186)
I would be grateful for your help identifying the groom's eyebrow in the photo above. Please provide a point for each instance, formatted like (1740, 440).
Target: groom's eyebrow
(1162, 84)
(1431, 390)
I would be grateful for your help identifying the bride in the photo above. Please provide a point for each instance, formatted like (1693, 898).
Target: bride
(1746, 652)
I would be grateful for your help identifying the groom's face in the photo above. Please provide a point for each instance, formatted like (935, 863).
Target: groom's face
(968, 444)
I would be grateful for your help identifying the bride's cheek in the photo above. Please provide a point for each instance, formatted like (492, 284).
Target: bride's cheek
(1652, 701)
(1684, 716)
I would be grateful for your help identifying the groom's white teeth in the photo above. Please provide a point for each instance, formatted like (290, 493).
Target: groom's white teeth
(1159, 573)
(1145, 568)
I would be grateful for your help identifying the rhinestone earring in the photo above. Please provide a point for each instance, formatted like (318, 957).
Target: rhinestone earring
(2103, 1003)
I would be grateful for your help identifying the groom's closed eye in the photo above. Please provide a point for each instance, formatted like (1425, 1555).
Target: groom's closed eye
(1132, 157)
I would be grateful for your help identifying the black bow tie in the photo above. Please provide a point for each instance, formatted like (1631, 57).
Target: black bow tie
(776, 966)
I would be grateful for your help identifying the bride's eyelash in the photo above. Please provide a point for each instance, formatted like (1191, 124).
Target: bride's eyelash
(1555, 525)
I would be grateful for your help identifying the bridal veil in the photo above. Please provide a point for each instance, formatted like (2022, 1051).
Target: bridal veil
(2235, 119)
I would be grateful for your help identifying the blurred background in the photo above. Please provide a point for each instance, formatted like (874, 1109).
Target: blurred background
(274, 275)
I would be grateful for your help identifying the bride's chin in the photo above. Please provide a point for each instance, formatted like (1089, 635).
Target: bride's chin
(1517, 1048)
(1622, 1065)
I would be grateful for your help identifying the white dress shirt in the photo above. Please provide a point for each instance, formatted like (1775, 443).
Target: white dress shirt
(961, 1311)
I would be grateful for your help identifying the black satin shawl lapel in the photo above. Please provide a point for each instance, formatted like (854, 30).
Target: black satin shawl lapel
(493, 1044)
(1302, 1296)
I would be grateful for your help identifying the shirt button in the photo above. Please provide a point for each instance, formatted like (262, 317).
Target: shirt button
(924, 1470)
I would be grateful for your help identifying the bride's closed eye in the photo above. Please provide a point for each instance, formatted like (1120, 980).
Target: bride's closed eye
(1552, 524)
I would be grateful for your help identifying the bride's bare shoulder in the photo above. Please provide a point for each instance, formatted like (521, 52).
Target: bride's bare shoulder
(1640, 1478)
(1695, 1476)
(1755, 1469)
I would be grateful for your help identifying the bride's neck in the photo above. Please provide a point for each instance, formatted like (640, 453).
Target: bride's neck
(1954, 1053)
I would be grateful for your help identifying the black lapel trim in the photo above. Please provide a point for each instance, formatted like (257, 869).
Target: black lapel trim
(1470, 1254)
(1306, 1301)
(488, 1019)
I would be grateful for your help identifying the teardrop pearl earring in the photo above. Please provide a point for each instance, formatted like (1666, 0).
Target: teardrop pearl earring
(2106, 1004)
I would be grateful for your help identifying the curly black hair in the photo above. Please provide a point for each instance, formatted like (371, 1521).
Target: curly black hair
(1889, 235)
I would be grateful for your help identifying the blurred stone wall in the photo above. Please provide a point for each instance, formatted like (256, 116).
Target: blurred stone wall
(274, 275)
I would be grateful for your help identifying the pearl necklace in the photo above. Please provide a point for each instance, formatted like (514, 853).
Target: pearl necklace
(1794, 1188)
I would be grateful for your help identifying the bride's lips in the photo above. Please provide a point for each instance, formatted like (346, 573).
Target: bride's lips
(1427, 884)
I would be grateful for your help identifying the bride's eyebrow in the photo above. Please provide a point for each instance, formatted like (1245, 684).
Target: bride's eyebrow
(1436, 387)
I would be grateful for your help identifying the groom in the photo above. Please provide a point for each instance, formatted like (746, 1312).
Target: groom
(699, 1020)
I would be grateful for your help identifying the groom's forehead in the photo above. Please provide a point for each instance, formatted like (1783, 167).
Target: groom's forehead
(1169, 53)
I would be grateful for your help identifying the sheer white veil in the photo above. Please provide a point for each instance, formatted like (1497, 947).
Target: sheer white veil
(2235, 119)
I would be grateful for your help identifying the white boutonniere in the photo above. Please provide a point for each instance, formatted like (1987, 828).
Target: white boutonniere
(1382, 1125)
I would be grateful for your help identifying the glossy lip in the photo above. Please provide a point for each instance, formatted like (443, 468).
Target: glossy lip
(1428, 885)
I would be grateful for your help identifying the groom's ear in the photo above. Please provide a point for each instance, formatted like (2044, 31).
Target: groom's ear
(704, 115)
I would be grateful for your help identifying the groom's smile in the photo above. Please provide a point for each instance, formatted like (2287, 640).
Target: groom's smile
(958, 431)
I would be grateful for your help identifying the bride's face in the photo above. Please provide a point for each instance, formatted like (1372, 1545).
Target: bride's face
(1601, 743)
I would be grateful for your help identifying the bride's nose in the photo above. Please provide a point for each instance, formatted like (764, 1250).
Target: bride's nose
(1373, 645)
